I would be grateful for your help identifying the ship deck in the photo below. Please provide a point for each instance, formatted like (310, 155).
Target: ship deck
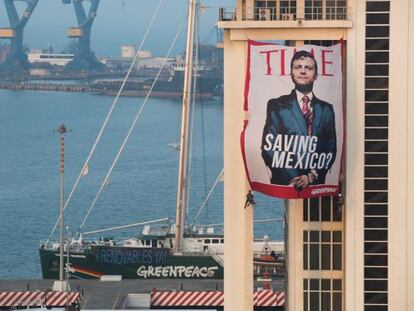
(111, 295)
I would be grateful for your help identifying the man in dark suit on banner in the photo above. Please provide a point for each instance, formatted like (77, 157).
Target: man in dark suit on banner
(299, 136)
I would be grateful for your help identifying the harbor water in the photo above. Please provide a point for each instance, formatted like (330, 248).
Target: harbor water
(142, 186)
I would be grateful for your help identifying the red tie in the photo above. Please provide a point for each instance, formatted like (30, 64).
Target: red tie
(307, 113)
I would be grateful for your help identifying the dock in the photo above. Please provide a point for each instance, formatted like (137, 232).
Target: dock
(98, 294)
(51, 87)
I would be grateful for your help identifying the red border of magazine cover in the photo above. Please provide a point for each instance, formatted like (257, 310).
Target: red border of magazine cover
(287, 191)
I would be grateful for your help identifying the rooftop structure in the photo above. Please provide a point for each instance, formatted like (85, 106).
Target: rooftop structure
(276, 10)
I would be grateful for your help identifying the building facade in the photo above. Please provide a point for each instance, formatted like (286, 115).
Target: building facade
(54, 59)
(351, 252)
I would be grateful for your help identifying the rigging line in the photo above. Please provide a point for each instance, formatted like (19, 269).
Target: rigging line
(109, 114)
(132, 126)
(203, 148)
(193, 106)
(203, 145)
(208, 197)
(209, 35)
(125, 226)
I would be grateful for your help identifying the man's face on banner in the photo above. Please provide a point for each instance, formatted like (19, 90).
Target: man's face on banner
(303, 73)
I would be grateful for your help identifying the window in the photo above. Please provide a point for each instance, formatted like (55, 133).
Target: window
(322, 209)
(275, 9)
(313, 9)
(377, 44)
(376, 133)
(376, 83)
(265, 10)
(376, 156)
(376, 184)
(322, 250)
(378, 18)
(287, 10)
(376, 159)
(323, 253)
(326, 43)
(377, 31)
(322, 295)
(336, 9)
(328, 9)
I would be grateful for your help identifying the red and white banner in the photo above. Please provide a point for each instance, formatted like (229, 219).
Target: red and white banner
(293, 137)
(261, 298)
(37, 299)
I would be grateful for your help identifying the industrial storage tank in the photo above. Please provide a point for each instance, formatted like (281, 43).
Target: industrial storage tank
(128, 51)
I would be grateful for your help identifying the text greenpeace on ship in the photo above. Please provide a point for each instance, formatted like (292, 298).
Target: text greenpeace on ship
(176, 272)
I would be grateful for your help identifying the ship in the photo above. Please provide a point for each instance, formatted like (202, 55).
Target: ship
(168, 86)
(150, 255)
(163, 249)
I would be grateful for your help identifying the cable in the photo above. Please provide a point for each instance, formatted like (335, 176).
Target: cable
(85, 165)
(207, 197)
(131, 128)
(193, 106)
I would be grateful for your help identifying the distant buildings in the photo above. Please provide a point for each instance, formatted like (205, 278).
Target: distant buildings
(54, 59)
(129, 51)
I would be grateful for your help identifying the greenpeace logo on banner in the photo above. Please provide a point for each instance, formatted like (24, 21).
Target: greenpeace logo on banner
(324, 190)
(176, 272)
(292, 141)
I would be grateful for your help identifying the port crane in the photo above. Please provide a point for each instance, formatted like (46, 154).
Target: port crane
(84, 58)
(17, 59)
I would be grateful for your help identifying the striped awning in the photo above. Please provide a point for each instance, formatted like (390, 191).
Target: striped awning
(261, 298)
(38, 298)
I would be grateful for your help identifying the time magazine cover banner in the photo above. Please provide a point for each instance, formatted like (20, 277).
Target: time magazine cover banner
(293, 136)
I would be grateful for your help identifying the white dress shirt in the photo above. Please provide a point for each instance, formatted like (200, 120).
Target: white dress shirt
(300, 96)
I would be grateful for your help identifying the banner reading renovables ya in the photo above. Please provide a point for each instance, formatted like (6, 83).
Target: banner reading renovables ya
(292, 140)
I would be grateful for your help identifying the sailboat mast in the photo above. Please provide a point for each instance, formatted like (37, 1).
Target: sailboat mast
(183, 167)
(62, 131)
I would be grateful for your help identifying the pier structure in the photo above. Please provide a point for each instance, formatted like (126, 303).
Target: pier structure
(370, 259)
(133, 294)
(84, 59)
(50, 87)
(16, 60)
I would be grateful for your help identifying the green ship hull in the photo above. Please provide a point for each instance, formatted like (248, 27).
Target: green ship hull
(130, 263)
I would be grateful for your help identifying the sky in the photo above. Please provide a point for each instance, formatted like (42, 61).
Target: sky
(118, 22)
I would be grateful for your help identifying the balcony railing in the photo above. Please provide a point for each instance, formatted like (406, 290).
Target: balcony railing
(283, 14)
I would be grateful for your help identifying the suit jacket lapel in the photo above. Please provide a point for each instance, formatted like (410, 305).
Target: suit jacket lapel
(297, 113)
(317, 116)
